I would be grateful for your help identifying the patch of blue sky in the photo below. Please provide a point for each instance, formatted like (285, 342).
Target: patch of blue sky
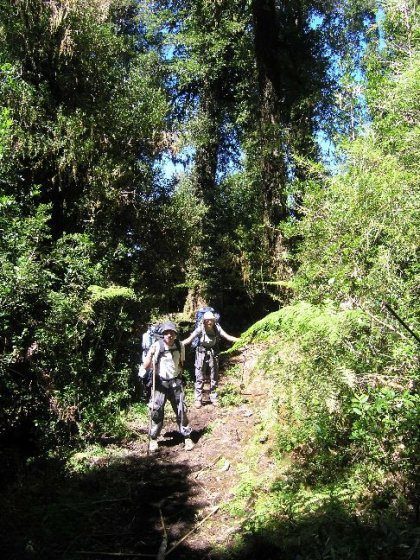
(316, 20)
(183, 164)
(379, 19)
(171, 167)
(328, 150)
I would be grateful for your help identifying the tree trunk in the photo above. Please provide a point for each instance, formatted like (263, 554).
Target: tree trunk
(201, 267)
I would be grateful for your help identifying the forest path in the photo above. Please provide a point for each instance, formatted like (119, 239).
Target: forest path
(118, 500)
(188, 490)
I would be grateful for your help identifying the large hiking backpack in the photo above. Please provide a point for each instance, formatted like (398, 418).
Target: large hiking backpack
(199, 322)
(153, 333)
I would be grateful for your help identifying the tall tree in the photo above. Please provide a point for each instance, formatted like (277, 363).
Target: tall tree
(291, 41)
(254, 79)
(208, 53)
(84, 106)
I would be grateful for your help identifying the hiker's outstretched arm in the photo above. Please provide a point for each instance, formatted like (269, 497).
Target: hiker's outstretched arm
(232, 338)
(188, 340)
(227, 336)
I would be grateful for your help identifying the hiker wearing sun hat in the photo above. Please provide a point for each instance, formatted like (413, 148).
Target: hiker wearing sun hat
(208, 333)
(167, 357)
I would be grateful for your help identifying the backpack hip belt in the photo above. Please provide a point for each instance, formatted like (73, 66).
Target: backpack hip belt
(170, 383)
(203, 350)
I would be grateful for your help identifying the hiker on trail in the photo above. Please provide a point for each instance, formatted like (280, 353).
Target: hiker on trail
(167, 361)
(207, 355)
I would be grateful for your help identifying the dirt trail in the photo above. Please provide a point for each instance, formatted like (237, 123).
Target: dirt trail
(191, 509)
(123, 501)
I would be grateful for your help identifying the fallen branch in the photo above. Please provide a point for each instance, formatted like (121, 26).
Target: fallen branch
(164, 544)
(213, 511)
(111, 500)
(197, 474)
(130, 554)
(209, 495)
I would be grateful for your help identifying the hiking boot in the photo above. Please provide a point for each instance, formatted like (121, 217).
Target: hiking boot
(153, 445)
(189, 444)
(198, 404)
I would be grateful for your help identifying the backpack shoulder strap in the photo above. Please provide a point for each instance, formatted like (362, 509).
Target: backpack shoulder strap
(217, 329)
(201, 333)
(178, 347)
(161, 349)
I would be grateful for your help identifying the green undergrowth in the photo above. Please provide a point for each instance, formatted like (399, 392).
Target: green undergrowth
(338, 476)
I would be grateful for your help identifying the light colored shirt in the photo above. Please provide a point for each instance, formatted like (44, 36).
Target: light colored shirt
(169, 364)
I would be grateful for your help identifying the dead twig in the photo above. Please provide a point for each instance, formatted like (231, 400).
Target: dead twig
(209, 495)
(164, 544)
(197, 474)
(213, 511)
(413, 550)
(130, 554)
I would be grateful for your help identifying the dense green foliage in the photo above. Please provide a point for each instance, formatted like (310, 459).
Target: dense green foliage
(83, 112)
(96, 240)
(97, 236)
(344, 370)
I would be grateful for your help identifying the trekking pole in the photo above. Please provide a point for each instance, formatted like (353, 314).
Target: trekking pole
(152, 403)
(403, 323)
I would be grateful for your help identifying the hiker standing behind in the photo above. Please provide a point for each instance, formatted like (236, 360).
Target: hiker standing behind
(167, 363)
(207, 355)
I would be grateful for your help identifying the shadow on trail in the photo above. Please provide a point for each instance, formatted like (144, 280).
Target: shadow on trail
(116, 510)
(117, 507)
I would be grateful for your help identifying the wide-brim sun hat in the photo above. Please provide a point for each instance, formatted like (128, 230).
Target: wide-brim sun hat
(208, 315)
(169, 326)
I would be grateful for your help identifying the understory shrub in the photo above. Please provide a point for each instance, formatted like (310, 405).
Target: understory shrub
(66, 347)
(335, 401)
